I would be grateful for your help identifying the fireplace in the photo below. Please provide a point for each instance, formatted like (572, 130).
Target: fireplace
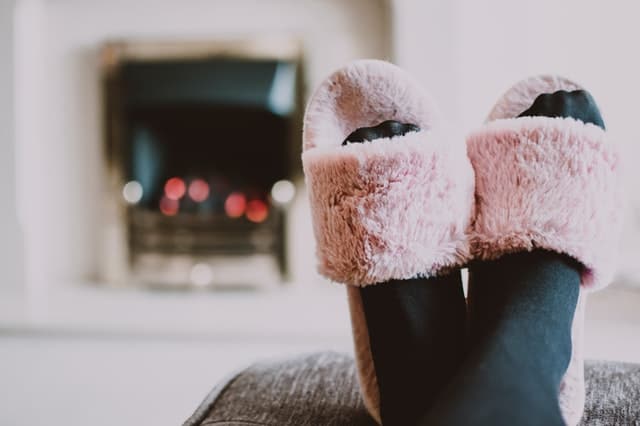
(202, 144)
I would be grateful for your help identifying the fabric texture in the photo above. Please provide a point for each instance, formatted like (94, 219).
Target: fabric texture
(550, 183)
(321, 389)
(521, 308)
(385, 209)
(416, 331)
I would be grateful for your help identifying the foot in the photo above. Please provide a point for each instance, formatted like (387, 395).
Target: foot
(386, 129)
(521, 313)
(406, 320)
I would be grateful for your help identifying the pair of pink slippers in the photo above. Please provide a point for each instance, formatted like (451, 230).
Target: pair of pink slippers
(428, 203)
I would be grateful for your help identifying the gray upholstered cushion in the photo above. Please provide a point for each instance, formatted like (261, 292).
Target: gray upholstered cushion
(321, 389)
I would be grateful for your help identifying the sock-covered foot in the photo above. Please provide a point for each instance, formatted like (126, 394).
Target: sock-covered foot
(578, 104)
(521, 311)
(416, 326)
(391, 207)
(386, 129)
(523, 306)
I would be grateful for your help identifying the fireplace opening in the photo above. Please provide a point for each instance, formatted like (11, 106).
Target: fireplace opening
(203, 155)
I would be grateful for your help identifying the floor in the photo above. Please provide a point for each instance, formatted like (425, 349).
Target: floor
(92, 356)
(106, 382)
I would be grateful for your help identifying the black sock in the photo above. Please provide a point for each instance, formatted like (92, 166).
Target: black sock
(416, 332)
(521, 310)
(578, 104)
(416, 327)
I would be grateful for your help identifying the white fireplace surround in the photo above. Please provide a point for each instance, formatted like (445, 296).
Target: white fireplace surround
(50, 110)
(60, 172)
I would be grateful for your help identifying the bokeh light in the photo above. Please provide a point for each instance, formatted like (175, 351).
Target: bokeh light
(283, 191)
(257, 211)
(201, 274)
(169, 207)
(235, 204)
(198, 190)
(132, 192)
(175, 188)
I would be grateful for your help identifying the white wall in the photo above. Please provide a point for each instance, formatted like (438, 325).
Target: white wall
(469, 52)
(590, 41)
(11, 252)
(425, 41)
(59, 112)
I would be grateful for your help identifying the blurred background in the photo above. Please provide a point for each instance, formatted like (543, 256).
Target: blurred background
(155, 227)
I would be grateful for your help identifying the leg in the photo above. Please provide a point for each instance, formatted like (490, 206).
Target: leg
(522, 305)
(521, 316)
(416, 332)
(390, 203)
(416, 327)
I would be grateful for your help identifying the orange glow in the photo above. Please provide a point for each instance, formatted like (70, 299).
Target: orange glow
(175, 188)
(169, 207)
(235, 204)
(257, 211)
(198, 190)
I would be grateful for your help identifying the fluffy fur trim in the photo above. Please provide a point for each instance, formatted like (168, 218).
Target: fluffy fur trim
(547, 183)
(386, 209)
(389, 209)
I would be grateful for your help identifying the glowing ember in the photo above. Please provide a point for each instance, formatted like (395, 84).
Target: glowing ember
(175, 188)
(198, 190)
(257, 211)
(235, 204)
(169, 207)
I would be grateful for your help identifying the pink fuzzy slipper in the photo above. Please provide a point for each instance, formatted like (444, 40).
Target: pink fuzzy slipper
(548, 183)
(389, 208)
